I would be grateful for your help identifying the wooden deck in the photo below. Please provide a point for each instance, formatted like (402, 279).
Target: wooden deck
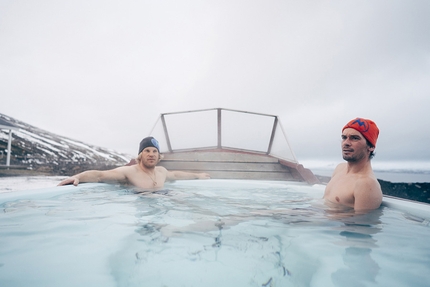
(225, 164)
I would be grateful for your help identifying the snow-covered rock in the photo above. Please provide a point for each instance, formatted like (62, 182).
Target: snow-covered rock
(38, 149)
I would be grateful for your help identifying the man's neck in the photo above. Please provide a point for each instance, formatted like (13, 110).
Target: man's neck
(357, 167)
(147, 169)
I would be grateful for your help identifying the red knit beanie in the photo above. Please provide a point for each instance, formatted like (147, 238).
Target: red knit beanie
(366, 127)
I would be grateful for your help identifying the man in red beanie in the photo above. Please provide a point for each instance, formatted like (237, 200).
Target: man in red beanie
(144, 174)
(353, 183)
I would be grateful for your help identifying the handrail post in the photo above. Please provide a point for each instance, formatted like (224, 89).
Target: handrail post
(219, 127)
(272, 136)
(166, 133)
(9, 148)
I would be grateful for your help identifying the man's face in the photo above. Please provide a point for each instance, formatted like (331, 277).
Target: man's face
(150, 157)
(354, 146)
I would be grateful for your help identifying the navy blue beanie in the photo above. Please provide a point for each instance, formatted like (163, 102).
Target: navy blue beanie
(147, 142)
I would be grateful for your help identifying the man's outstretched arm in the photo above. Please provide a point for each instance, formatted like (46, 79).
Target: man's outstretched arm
(178, 175)
(113, 175)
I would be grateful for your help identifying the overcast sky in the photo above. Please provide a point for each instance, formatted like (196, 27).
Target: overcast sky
(103, 71)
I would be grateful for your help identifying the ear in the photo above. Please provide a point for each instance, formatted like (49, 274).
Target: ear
(370, 148)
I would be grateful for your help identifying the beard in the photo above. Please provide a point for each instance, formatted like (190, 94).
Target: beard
(353, 157)
(148, 164)
(350, 158)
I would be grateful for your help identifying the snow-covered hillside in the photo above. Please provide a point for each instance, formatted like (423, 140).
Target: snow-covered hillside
(40, 149)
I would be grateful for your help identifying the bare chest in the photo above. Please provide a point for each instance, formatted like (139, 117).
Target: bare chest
(146, 180)
(340, 191)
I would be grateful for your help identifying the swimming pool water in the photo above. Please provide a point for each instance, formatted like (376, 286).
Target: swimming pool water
(205, 233)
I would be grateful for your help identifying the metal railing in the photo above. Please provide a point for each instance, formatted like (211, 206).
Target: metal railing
(273, 131)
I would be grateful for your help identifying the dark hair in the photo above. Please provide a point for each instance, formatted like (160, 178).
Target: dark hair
(372, 153)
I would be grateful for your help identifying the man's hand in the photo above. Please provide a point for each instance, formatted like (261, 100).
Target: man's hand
(182, 175)
(71, 180)
(203, 175)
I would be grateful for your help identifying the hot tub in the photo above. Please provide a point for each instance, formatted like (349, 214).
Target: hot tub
(208, 233)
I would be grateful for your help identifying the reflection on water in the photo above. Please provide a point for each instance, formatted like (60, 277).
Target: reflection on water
(359, 241)
(278, 227)
(359, 268)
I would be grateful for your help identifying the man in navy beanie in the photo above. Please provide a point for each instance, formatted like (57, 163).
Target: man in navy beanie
(144, 174)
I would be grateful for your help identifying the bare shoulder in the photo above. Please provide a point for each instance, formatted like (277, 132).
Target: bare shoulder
(122, 172)
(367, 193)
(368, 181)
(340, 168)
(125, 169)
(161, 169)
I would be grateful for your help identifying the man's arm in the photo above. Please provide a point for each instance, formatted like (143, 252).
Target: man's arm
(178, 175)
(367, 195)
(113, 175)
